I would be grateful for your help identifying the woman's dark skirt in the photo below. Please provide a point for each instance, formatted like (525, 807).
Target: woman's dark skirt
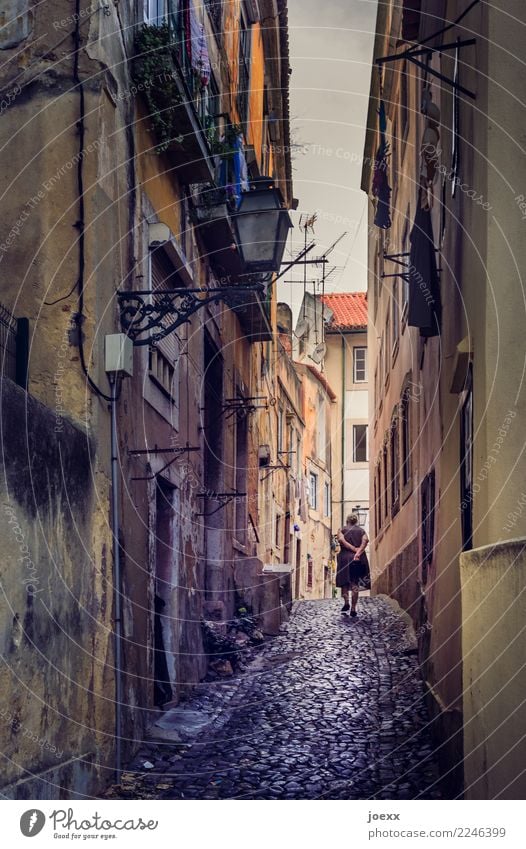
(351, 571)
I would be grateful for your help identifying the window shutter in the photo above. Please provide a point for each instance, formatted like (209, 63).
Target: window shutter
(164, 276)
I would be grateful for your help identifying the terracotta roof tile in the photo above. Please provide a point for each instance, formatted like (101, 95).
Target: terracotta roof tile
(349, 308)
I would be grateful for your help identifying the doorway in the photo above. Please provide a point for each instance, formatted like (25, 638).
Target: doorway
(166, 588)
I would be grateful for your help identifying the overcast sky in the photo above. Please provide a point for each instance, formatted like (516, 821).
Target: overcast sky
(331, 44)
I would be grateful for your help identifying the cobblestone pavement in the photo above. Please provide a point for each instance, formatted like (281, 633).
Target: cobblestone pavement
(331, 708)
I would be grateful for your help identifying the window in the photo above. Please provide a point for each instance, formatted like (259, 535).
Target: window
(210, 107)
(394, 154)
(387, 350)
(243, 87)
(406, 437)
(359, 443)
(321, 446)
(241, 475)
(360, 365)
(213, 421)
(427, 527)
(162, 372)
(466, 464)
(281, 429)
(310, 572)
(455, 129)
(277, 530)
(404, 100)
(326, 499)
(155, 12)
(313, 490)
(164, 355)
(385, 482)
(378, 502)
(395, 314)
(375, 501)
(381, 368)
(298, 453)
(405, 281)
(291, 455)
(395, 465)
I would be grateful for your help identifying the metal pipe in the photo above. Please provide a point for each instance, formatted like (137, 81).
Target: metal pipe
(116, 577)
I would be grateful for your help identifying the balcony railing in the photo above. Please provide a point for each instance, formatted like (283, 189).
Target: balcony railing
(172, 71)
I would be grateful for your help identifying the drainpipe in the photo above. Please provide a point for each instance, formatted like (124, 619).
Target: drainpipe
(344, 377)
(118, 362)
(115, 529)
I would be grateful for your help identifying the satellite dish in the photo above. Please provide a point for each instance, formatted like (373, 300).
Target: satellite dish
(319, 353)
(302, 328)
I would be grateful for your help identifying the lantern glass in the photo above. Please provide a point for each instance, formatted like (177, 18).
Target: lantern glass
(262, 229)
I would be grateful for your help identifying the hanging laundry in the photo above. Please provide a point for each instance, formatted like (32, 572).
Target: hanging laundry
(381, 188)
(240, 170)
(232, 172)
(197, 45)
(429, 149)
(424, 289)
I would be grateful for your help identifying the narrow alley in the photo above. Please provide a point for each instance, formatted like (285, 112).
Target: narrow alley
(331, 708)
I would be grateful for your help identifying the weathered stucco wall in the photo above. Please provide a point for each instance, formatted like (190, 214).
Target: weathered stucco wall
(494, 674)
(56, 703)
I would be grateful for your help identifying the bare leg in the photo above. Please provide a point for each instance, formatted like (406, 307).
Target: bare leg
(355, 590)
(345, 596)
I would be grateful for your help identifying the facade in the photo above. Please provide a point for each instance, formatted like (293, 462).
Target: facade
(144, 139)
(316, 578)
(307, 403)
(347, 370)
(444, 292)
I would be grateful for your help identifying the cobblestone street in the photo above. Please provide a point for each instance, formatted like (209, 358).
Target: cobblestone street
(331, 708)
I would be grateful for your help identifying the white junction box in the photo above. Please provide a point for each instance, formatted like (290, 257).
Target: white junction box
(118, 354)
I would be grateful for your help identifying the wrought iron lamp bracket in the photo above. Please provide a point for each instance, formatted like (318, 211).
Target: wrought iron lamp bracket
(149, 316)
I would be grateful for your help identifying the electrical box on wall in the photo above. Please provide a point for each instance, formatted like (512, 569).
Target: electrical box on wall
(118, 354)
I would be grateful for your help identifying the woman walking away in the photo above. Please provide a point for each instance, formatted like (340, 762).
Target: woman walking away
(352, 561)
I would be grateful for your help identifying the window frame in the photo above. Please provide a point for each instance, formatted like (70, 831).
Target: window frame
(240, 534)
(386, 482)
(394, 451)
(406, 465)
(244, 66)
(356, 367)
(310, 572)
(427, 521)
(278, 529)
(313, 490)
(155, 19)
(355, 426)
(326, 499)
(466, 463)
(395, 318)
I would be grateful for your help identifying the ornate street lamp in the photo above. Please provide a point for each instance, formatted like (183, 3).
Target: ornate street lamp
(262, 226)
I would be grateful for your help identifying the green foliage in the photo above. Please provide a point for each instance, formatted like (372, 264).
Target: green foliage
(225, 146)
(154, 71)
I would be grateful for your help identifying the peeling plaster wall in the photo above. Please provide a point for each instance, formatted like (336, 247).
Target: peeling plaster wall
(56, 680)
